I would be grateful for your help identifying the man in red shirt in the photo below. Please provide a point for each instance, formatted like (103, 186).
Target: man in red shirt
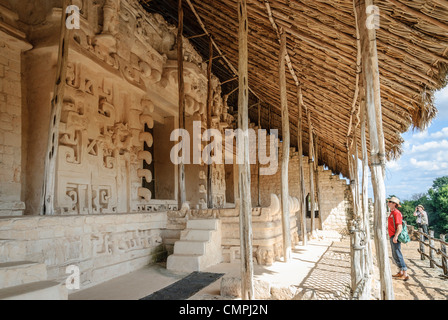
(394, 227)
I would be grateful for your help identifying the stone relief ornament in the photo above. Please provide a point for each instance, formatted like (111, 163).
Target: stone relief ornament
(102, 136)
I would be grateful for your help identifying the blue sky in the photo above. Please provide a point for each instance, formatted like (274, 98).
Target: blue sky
(424, 158)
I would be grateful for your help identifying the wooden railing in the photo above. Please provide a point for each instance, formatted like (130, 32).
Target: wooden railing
(433, 251)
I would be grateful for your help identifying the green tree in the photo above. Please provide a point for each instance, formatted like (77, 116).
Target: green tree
(439, 217)
(440, 182)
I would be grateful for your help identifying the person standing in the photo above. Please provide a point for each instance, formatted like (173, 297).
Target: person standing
(395, 226)
(422, 218)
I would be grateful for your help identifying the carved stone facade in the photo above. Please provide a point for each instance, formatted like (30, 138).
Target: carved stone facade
(102, 246)
(120, 93)
(116, 189)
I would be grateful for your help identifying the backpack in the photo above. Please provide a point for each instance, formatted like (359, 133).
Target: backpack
(403, 237)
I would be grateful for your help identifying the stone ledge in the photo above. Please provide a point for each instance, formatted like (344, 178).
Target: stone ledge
(18, 205)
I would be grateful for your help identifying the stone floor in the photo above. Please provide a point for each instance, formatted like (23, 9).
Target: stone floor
(320, 271)
(425, 283)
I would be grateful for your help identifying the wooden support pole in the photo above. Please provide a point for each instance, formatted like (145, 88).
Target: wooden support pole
(363, 208)
(247, 268)
(365, 177)
(358, 280)
(269, 118)
(377, 149)
(318, 190)
(49, 183)
(356, 174)
(258, 162)
(311, 172)
(302, 192)
(180, 61)
(209, 122)
(285, 152)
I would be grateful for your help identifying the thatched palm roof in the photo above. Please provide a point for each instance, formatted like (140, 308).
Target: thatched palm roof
(412, 42)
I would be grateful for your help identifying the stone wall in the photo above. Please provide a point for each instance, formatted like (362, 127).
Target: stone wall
(102, 246)
(335, 191)
(12, 44)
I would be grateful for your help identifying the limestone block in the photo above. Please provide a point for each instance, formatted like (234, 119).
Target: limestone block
(283, 293)
(21, 272)
(231, 287)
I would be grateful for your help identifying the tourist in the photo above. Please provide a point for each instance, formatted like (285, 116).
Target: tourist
(422, 218)
(395, 225)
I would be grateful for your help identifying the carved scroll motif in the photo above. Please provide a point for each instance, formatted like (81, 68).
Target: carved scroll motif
(145, 119)
(122, 242)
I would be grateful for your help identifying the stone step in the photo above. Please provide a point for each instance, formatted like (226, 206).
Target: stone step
(21, 272)
(184, 263)
(41, 290)
(198, 248)
(197, 235)
(189, 247)
(203, 224)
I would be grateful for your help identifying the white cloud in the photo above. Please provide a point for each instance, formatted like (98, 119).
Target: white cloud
(430, 146)
(424, 157)
(420, 135)
(442, 156)
(440, 134)
(429, 165)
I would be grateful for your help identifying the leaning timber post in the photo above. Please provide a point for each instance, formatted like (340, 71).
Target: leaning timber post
(269, 119)
(365, 177)
(48, 190)
(356, 272)
(247, 267)
(209, 122)
(302, 211)
(318, 190)
(258, 162)
(311, 171)
(360, 286)
(377, 151)
(180, 62)
(364, 226)
(285, 151)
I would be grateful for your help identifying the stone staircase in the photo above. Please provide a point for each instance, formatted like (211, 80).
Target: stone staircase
(25, 280)
(199, 246)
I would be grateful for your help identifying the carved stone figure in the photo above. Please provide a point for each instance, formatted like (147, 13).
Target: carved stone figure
(110, 13)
